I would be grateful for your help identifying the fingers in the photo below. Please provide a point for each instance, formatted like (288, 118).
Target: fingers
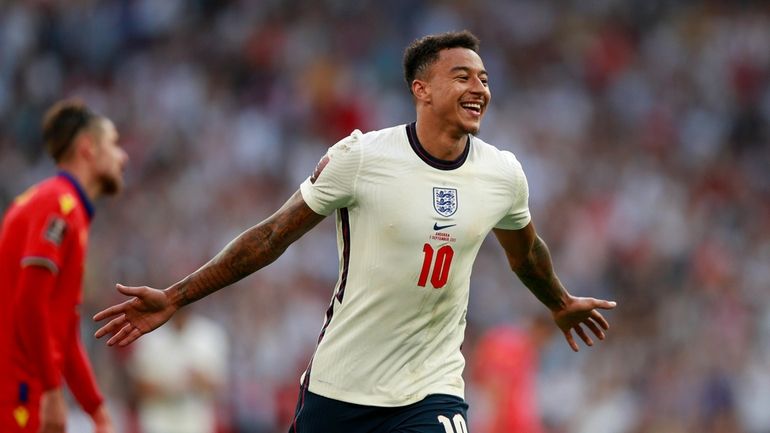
(571, 340)
(583, 336)
(111, 311)
(604, 305)
(594, 328)
(132, 336)
(594, 325)
(113, 325)
(598, 318)
(127, 335)
(586, 314)
(119, 308)
(119, 336)
(130, 291)
(124, 332)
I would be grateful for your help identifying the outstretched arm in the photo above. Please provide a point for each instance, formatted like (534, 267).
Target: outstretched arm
(252, 250)
(530, 259)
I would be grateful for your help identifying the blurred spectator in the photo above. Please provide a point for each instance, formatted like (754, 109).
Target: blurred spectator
(504, 373)
(180, 376)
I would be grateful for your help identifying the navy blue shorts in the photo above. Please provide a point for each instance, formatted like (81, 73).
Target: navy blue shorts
(436, 413)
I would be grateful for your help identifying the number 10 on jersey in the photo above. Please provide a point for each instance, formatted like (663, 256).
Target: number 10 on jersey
(438, 269)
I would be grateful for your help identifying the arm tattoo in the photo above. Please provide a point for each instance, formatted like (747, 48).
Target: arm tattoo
(538, 275)
(252, 250)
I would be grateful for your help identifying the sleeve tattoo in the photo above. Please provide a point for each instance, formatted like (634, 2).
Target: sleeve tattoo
(538, 275)
(252, 250)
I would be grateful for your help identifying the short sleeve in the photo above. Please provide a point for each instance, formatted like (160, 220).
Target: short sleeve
(518, 215)
(332, 185)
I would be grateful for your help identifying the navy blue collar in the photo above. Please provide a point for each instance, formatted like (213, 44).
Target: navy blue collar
(83, 197)
(411, 133)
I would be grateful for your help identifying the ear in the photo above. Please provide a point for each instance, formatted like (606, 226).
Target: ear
(421, 90)
(85, 147)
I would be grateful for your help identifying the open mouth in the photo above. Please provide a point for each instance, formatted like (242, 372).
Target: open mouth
(473, 107)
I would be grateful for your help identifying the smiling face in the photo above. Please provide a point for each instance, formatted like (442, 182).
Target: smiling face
(455, 90)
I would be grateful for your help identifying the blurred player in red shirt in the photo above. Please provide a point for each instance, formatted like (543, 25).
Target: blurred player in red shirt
(505, 371)
(43, 241)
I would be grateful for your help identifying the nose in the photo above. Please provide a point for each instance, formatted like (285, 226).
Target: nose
(477, 86)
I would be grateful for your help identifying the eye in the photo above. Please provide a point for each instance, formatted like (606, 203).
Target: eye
(463, 78)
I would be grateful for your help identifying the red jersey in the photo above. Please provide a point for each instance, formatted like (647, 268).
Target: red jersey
(505, 369)
(43, 242)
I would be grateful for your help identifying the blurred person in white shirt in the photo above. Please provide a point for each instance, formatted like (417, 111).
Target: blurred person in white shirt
(179, 373)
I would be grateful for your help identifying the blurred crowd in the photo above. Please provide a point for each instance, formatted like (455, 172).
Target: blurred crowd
(643, 127)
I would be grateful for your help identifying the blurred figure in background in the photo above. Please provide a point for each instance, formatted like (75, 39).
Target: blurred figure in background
(180, 374)
(504, 372)
(43, 243)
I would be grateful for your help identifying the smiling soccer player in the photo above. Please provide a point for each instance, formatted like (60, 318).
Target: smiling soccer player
(413, 203)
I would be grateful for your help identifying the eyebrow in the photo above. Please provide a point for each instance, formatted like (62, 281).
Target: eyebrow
(466, 69)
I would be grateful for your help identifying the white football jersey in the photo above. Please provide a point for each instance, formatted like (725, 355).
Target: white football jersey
(409, 227)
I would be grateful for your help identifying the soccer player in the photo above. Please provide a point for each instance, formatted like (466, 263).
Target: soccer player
(413, 204)
(505, 369)
(42, 250)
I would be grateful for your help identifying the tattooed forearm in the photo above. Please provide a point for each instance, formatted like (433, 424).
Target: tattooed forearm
(246, 254)
(252, 250)
(536, 272)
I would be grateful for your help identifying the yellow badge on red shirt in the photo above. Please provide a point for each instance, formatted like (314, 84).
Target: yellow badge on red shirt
(21, 414)
(66, 203)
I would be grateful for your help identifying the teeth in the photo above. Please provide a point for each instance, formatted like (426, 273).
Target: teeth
(474, 106)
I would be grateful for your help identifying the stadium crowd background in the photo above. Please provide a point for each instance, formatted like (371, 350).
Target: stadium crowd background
(643, 127)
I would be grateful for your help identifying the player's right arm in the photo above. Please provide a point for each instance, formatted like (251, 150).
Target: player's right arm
(252, 250)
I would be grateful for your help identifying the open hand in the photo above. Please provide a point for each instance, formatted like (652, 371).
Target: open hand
(146, 310)
(582, 311)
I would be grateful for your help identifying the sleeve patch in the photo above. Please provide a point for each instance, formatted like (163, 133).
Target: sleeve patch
(54, 231)
(319, 168)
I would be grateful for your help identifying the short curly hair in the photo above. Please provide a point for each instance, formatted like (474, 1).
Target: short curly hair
(423, 52)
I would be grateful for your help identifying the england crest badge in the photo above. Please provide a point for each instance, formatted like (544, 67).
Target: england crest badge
(445, 201)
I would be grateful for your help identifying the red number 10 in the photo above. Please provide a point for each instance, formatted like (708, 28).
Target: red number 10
(440, 269)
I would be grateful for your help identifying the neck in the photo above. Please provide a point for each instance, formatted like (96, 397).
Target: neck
(439, 141)
(84, 178)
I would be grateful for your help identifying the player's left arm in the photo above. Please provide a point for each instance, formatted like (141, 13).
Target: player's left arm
(530, 259)
(79, 375)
